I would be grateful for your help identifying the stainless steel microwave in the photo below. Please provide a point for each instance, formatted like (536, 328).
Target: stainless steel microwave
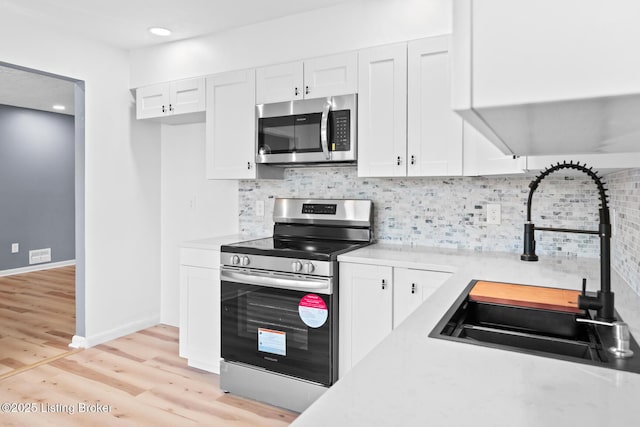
(308, 131)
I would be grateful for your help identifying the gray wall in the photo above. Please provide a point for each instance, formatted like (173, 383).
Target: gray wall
(36, 185)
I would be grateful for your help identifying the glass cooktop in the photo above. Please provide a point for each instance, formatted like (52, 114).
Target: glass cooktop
(294, 248)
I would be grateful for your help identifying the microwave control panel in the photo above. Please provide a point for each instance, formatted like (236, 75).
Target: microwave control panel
(340, 130)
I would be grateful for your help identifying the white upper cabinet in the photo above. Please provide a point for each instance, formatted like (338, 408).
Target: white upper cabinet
(405, 123)
(549, 77)
(230, 125)
(382, 111)
(278, 83)
(481, 157)
(331, 75)
(181, 101)
(313, 78)
(230, 128)
(434, 139)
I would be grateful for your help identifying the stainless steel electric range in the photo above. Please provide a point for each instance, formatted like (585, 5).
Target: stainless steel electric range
(279, 311)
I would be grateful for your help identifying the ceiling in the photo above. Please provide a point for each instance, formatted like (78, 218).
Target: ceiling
(124, 24)
(36, 91)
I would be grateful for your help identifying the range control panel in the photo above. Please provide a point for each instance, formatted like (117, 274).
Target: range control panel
(319, 208)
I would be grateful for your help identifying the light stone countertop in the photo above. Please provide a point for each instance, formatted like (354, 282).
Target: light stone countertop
(214, 242)
(412, 380)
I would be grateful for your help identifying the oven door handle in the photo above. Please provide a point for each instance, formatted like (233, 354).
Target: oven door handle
(278, 280)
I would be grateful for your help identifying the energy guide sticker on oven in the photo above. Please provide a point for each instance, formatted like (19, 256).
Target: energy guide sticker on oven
(270, 341)
(313, 311)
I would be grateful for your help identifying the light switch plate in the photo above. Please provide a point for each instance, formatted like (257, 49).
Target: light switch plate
(15, 248)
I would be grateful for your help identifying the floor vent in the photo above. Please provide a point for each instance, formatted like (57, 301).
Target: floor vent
(37, 256)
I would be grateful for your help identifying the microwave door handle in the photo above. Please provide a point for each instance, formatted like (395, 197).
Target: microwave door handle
(324, 129)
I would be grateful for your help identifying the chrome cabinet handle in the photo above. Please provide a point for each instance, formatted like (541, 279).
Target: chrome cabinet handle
(163, 110)
(324, 129)
(413, 160)
(306, 90)
(384, 284)
(170, 107)
(413, 288)
(296, 92)
(248, 165)
(398, 161)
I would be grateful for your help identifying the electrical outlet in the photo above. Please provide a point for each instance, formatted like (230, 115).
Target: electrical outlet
(259, 208)
(15, 248)
(494, 216)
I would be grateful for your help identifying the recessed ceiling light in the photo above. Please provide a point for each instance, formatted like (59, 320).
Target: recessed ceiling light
(59, 107)
(159, 31)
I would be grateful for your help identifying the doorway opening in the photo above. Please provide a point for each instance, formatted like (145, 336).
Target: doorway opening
(43, 113)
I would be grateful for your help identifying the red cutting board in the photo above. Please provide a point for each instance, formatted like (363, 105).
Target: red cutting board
(526, 296)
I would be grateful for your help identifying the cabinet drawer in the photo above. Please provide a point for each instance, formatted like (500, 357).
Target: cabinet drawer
(200, 258)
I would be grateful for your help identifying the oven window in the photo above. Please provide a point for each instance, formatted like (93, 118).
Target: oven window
(270, 328)
(273, 314)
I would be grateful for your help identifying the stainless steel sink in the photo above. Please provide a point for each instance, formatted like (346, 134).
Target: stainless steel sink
(541, 332)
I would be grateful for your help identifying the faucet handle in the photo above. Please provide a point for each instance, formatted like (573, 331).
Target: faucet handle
(621, 336)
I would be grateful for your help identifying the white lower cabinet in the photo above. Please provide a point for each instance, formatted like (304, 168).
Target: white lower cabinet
(373, 301)
(412, 288)
(200, 308)
(365, 311)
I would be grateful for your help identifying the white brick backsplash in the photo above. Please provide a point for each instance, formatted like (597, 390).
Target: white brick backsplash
(451, 212)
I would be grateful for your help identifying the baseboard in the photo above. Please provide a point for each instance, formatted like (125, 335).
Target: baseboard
(130, 328)
(37, 267)
(78, 342)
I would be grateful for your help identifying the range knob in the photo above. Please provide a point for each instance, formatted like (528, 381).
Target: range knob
(296, 266)
(235, 260)
(245, 260)
(308, 267)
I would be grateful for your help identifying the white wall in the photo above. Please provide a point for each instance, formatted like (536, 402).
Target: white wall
(122, 171)
(345, 27)
(354, 25)
(192, 206)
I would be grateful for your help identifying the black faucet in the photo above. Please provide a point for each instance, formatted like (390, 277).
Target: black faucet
(603, 301)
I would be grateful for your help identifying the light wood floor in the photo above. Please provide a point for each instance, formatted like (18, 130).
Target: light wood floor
(137, 380)
(37, 317)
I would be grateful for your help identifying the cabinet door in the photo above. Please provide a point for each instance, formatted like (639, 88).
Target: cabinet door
(434, 139)
(230, 125)
(200, 317)
(481, 157)
(365, 308)
(382, 111)
(331, 75)
(411, 288)
(187, 96)
(279, 83)
(152, 101)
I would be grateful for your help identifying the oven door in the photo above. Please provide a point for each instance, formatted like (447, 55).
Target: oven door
(283, 323)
